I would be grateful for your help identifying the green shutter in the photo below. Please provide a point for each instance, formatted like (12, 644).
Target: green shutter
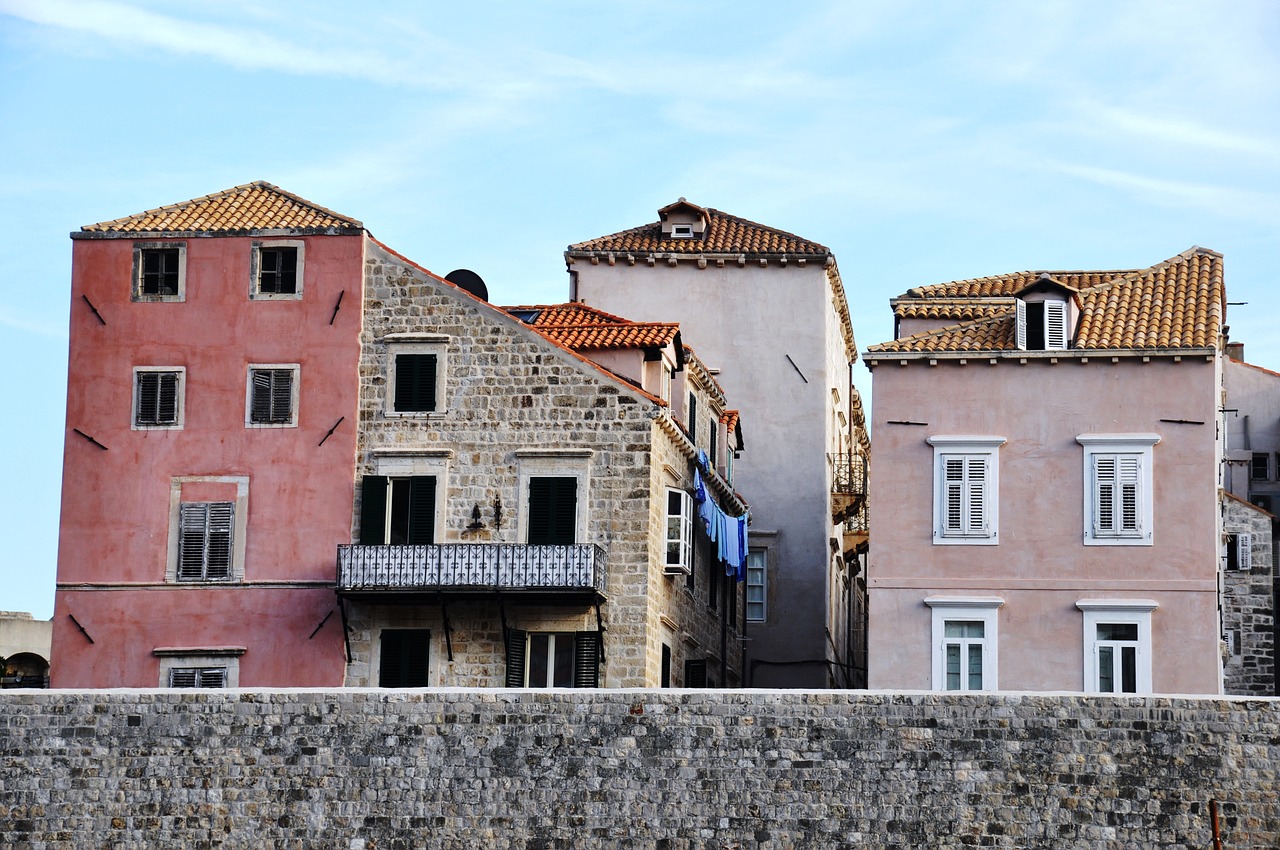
(415, 383)
(405, 658)
(553, 511)
(695, 673)
(517, 645)
(373, 510)
(422, 509)
(586, 660)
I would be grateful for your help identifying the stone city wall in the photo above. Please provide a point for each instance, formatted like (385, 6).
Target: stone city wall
(366, 769)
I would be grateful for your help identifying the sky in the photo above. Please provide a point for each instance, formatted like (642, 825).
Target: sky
(921, 141)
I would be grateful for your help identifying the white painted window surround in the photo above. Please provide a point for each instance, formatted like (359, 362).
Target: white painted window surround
(966, 491)
(1117, 645)
(1118, 489)
(966, 641)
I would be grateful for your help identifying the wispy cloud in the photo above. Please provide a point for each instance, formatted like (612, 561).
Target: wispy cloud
(1219, 200)
(31, 325)
(1177, 131)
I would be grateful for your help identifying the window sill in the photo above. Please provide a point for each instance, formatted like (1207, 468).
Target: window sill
(177, 426)
(270, 425)
(415, 414)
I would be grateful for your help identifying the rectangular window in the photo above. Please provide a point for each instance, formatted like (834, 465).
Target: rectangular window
(552, 511)
(397, 511)
(272, 394)
(1118, 493)
(963, 644)
(664, 672)
(1240, 551)
(695, 673)
(205, 541)
(277, 270)
(415, 384)
(157, 397)
(197, 677)
(679, 533)
(693, 418)
(756, 586)
(553, 659)
(965, 631)
(159, 271)
(1117, 645)
(404, 659)
(965, 489)
(1040, 325)
(1260, 466)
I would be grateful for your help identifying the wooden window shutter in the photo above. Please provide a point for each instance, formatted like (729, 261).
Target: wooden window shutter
(553, 511)
(415, 390)
(695, 673)
(976, 495)
(1020, 324)
(1129, 473)
(272, 399)
(1244, 551)
(1055, 324)
(693, 418)
(586, 660)
(373, 510)
(184, 677)
(218, 547)
(212, 677)
(422, 509)
(517, 647)
(157, 398)
(953, 494)
(204, 540)
(1104, 493)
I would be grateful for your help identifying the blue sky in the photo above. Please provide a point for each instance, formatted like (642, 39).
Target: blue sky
(921, 141)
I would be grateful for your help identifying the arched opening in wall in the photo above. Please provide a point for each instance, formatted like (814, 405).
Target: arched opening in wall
(25, 670)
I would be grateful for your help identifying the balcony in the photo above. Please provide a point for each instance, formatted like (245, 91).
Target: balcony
(462, 569)
(848, 485)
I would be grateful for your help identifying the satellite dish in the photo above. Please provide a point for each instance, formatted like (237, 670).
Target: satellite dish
(470, 281)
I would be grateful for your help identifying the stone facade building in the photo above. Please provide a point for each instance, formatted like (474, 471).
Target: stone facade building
(768, 313)
(256, 383)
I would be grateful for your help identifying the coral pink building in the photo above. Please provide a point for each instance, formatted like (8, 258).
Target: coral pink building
(214, 351)
(1045, 491)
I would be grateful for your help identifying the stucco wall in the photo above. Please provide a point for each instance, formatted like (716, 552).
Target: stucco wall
(115, 532)
(1040, 566)
(747, 322)
(655, 769)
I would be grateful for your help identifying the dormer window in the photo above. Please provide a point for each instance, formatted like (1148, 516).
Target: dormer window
(1042, 325)
(682, 231)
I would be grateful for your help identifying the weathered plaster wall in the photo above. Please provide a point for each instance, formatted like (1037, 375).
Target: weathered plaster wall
(655, 769)
(115, 528)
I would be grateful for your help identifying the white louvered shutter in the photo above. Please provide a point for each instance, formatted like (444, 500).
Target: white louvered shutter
(1244, 551)
(1055, 324)
(964, 495)
(1130, 473)
(953, 495)
(976, 495)
(1020, 323)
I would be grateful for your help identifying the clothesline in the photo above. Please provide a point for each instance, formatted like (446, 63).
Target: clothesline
(728, 533)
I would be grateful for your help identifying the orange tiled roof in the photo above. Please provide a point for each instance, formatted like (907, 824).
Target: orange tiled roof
(253, 206)
(726, 234)
(1179, 303)
(582, 328)
(955, 309)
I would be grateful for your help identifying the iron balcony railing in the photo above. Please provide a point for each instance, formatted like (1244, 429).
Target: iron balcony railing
(849, 474)
(465, 566)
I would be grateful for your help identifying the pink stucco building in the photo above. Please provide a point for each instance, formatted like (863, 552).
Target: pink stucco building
(1045, 491)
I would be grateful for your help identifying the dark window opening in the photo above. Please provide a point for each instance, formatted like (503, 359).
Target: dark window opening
(160, 271)
(1035, 326)
(695, 673)
(665, 672)
(398, 511)
(406, 656)
(278, 271)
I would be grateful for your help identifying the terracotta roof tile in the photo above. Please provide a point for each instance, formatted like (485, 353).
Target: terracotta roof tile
(726, 234)
(572, 313)
(253, 206)
(582, 328)
(1179, 303)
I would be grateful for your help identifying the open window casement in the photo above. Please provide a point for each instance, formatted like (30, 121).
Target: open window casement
(1040, 325)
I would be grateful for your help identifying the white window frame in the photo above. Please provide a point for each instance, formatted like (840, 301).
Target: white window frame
(136, 293)
(1123, 447)
(1243, 543)
(408, 343)
(238, 532)
(757, 578)
(226, 658)
(984, 609)
(969, 449)
(255, 270)
(681, 231)
(678, 531)
(294, 394)
(1126, 611)
(180, 417)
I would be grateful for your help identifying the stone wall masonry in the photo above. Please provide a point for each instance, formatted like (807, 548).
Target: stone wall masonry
(364, 769)
(1248, 607)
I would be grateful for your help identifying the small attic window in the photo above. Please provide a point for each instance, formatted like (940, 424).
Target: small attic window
(1041, 325)
(682, 231)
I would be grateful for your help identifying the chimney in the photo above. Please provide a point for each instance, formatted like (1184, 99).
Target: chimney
(1235, 350)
